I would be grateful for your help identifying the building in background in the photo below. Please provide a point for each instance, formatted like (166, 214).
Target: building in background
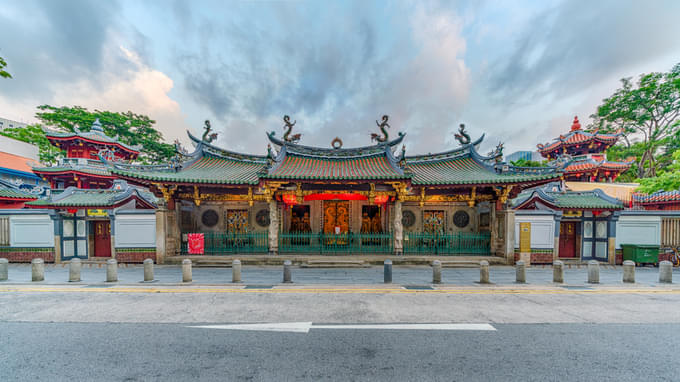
(8, 123)
(534, 156)
(580, 155)
(16, 161)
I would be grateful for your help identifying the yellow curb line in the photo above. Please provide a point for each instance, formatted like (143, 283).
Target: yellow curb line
(337, 291)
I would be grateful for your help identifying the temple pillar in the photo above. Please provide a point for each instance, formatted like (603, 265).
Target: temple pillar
(611, 244)
(168, 235)
(505, 236)
(556, 242)
(273, 228)
(398, 229)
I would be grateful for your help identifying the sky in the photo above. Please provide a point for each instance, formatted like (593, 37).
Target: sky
(517, 71)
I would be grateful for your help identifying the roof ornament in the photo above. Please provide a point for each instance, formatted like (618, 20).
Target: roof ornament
(106, 154)
(336, 143)
(381, 125)
(97, 126)
(497, 153)
(180, 149)
(208, 137)
(286, 136)
(402, 157)
(576, 125)
(462, 136)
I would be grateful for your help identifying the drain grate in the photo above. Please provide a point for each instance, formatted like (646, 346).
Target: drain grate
(259, 286)
(418, 287)
(577, 287)
(99, 285)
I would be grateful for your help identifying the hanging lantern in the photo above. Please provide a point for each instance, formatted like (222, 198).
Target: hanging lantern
(289, 199)
(381, 199)
(72, 210)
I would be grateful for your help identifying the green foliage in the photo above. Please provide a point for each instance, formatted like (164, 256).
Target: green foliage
(132, 129)
(667, 180)
(4, 73)
(35, 135)
(648, 110)
(528, 163)
(623, 153)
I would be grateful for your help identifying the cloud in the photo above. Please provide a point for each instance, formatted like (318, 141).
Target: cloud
(567, 48)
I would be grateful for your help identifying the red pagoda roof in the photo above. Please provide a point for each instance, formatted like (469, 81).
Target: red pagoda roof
(577, 141)
(95, 136)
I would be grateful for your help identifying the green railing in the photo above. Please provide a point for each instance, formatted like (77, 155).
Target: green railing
(331, 244)
(224, 243)
(461, 243)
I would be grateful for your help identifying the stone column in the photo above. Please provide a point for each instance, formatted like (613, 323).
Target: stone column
(273, 227)
(611, 230)
(112, 224)
(509, 237)
(161, 233)
(398, 229)
(556, 243)
(56, 219)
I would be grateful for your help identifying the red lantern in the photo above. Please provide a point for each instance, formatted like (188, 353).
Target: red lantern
(289, 199)
(381, 199)
(72, 210)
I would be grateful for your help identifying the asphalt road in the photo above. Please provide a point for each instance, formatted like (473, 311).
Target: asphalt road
(176, 352)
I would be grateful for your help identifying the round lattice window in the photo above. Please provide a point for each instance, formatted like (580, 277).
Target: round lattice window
(209, 218)
(461, 219)
(408, 219)
(262, 218)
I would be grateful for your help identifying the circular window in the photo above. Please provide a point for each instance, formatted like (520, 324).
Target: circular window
(262, 218)
(408, 219)
(209, 218)
(461, 219)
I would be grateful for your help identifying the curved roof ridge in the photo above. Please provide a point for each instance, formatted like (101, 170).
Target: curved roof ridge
(294, 148)
(458, 152)
(211, 149)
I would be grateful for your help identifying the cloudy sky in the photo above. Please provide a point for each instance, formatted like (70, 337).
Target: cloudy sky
(516, 70)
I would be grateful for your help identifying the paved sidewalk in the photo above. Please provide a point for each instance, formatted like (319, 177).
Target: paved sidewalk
(404, 275)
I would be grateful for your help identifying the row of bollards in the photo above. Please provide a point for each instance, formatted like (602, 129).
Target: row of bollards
(75, 266)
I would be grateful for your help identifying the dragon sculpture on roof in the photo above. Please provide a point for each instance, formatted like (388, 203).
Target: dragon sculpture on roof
(208, 137)
(462, 136)
(382, 125)
(289, 125)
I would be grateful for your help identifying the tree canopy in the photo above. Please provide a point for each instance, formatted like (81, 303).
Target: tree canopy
(34, 134)
(667, 179)
(528, 163)
(647, 111)
(132, 129)
(3, 72)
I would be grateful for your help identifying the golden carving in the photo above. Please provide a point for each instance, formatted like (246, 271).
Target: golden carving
(197, 197)
(167, 191)
(473, 197)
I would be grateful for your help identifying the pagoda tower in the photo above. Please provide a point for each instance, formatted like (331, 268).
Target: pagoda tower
(82, 166)
(580, 155)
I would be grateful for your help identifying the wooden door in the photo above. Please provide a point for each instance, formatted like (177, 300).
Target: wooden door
(336, 214)
(102, 239)
(567, 239)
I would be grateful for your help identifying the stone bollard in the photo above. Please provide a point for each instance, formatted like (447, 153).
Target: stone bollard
(37, 270)
(520, 272)
(186, 271)
(628, 271)
(387, 271)
(484, 272)
(436, 272)
(666, 272)
(4, 269)
(593, 272)
(111, 270)
(236, 271)
(74, 268)
(558, 272)
(148, 270)
(287, 277)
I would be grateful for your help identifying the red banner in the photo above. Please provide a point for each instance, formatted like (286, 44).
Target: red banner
(196, 244)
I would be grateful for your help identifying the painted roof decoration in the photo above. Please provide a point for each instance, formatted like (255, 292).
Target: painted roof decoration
(555, 197)
(590, 166)
(287, 159)
(76, 165)
(119, 194)
(96, 136)
(578, 141)
(9, 191)
(659, 197)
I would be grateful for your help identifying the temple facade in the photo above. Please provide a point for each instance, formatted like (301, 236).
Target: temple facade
(313, 200)
(580, 155)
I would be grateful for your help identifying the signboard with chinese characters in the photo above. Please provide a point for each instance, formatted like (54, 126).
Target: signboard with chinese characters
(98, 213)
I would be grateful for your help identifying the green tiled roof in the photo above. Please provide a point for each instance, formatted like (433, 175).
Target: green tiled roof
(76, 197)
(83, 169)
(308, 167)
(464, 170)
(585, 200)
(207, 169)
(10, 192)
(96, 134)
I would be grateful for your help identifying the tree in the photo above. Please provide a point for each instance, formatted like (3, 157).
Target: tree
(130, 128)
(667, 180)
(648, 110)
(4, 73)
(35, 135)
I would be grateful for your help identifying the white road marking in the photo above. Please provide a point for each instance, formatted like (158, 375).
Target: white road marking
(304, 327)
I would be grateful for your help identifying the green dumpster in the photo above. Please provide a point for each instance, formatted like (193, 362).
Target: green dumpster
(641, 253)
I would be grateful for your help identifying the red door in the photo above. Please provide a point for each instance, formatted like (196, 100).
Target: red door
(567, 239)
(102, 239)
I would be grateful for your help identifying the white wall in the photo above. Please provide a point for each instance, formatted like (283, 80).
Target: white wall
(542, 230)
(638, 230)
(135, 231)
(12, 146)
(31, 231)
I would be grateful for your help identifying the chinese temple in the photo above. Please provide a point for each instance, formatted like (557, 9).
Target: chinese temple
(82, 167)
(661, 200)
(580, 155)
(11, 196)
(314, 200)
